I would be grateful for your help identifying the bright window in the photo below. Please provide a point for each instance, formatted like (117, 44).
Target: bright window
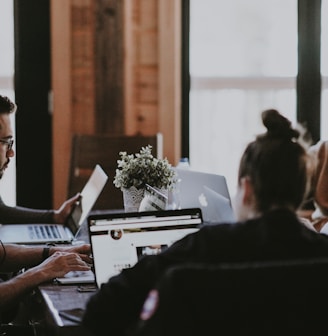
(243, 59)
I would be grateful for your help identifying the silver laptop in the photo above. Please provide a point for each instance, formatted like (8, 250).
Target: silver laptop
(57, 233)
(206, 191)
(119, 240)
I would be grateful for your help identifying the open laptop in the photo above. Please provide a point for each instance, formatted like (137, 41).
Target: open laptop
(119, 240)
(57, 233)
(206, 191)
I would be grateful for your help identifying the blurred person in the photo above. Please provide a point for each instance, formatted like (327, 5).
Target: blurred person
(316, 210)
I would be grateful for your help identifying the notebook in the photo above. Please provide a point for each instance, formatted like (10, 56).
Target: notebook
(206, 191)
(119, 240)
(57, 233)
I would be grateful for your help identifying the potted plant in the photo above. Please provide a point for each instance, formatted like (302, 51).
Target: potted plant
(134, 171)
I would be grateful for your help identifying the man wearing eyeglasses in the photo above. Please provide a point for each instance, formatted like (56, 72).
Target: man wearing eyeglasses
(42, 263)
(11, 215)
(6, 140)
(9, 143)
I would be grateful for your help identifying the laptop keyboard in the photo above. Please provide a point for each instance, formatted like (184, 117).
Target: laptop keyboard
(44, 232)
(77, 277)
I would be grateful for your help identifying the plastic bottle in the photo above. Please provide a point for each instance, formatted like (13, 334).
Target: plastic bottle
(174, 201)
(183, 163)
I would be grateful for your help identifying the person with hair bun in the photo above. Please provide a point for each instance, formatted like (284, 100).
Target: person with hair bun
(275, 169)
(274, 174)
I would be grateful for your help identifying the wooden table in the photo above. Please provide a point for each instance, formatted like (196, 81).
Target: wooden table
(63, 309)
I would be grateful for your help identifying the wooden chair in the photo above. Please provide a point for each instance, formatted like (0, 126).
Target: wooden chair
(264, 298)
(89, 150)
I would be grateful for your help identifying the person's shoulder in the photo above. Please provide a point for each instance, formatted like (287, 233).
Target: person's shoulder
(221, 228)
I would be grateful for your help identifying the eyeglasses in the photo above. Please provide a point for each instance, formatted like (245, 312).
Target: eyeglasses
(8, 142)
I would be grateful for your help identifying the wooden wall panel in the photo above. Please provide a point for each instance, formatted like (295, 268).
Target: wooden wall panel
(141, 66)
(61, 95)
(115, 69)
(153, 71)
(83, 66)
(109, 66)
(169, 76)
(73, 84)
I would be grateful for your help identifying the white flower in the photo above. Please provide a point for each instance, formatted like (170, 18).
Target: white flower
(141, 169)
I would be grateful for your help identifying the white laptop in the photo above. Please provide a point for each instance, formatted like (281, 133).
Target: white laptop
(119, 240)
(206, 191)
(57, 233)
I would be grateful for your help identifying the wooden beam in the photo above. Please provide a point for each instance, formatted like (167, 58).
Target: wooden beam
(170, 77)
(62, 93)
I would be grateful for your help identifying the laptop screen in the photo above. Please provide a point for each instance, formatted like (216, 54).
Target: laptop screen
(89, 196)
(119, 240)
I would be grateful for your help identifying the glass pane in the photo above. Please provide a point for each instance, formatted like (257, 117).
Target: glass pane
(243, 59)
(6, 38)
(222, 122)
(243, 38)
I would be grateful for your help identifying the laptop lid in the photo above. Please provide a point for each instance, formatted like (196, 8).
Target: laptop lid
(206, 191)
(119, 240)
(89, 196)
(39, 233)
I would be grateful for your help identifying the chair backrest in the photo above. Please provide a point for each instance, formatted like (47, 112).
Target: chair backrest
(89, 150)
(278, 298)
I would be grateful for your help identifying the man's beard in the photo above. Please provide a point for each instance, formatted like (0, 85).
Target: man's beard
(2, 169)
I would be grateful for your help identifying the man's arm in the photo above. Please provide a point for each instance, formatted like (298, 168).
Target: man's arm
(14, 257)
(12, 290)
(61, 261)
(18, 214)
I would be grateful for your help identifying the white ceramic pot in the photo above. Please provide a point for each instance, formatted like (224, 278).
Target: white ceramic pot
(132, 198)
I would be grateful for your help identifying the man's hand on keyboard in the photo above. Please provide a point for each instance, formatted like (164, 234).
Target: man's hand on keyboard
(83, 251)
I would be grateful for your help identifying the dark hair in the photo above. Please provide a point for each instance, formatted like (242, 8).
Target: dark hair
(6, 105)
(277, 164)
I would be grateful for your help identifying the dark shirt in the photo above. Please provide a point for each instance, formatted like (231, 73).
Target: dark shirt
(277, 235)
(14, 215)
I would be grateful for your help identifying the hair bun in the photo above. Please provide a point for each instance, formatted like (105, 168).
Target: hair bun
(278, 126)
